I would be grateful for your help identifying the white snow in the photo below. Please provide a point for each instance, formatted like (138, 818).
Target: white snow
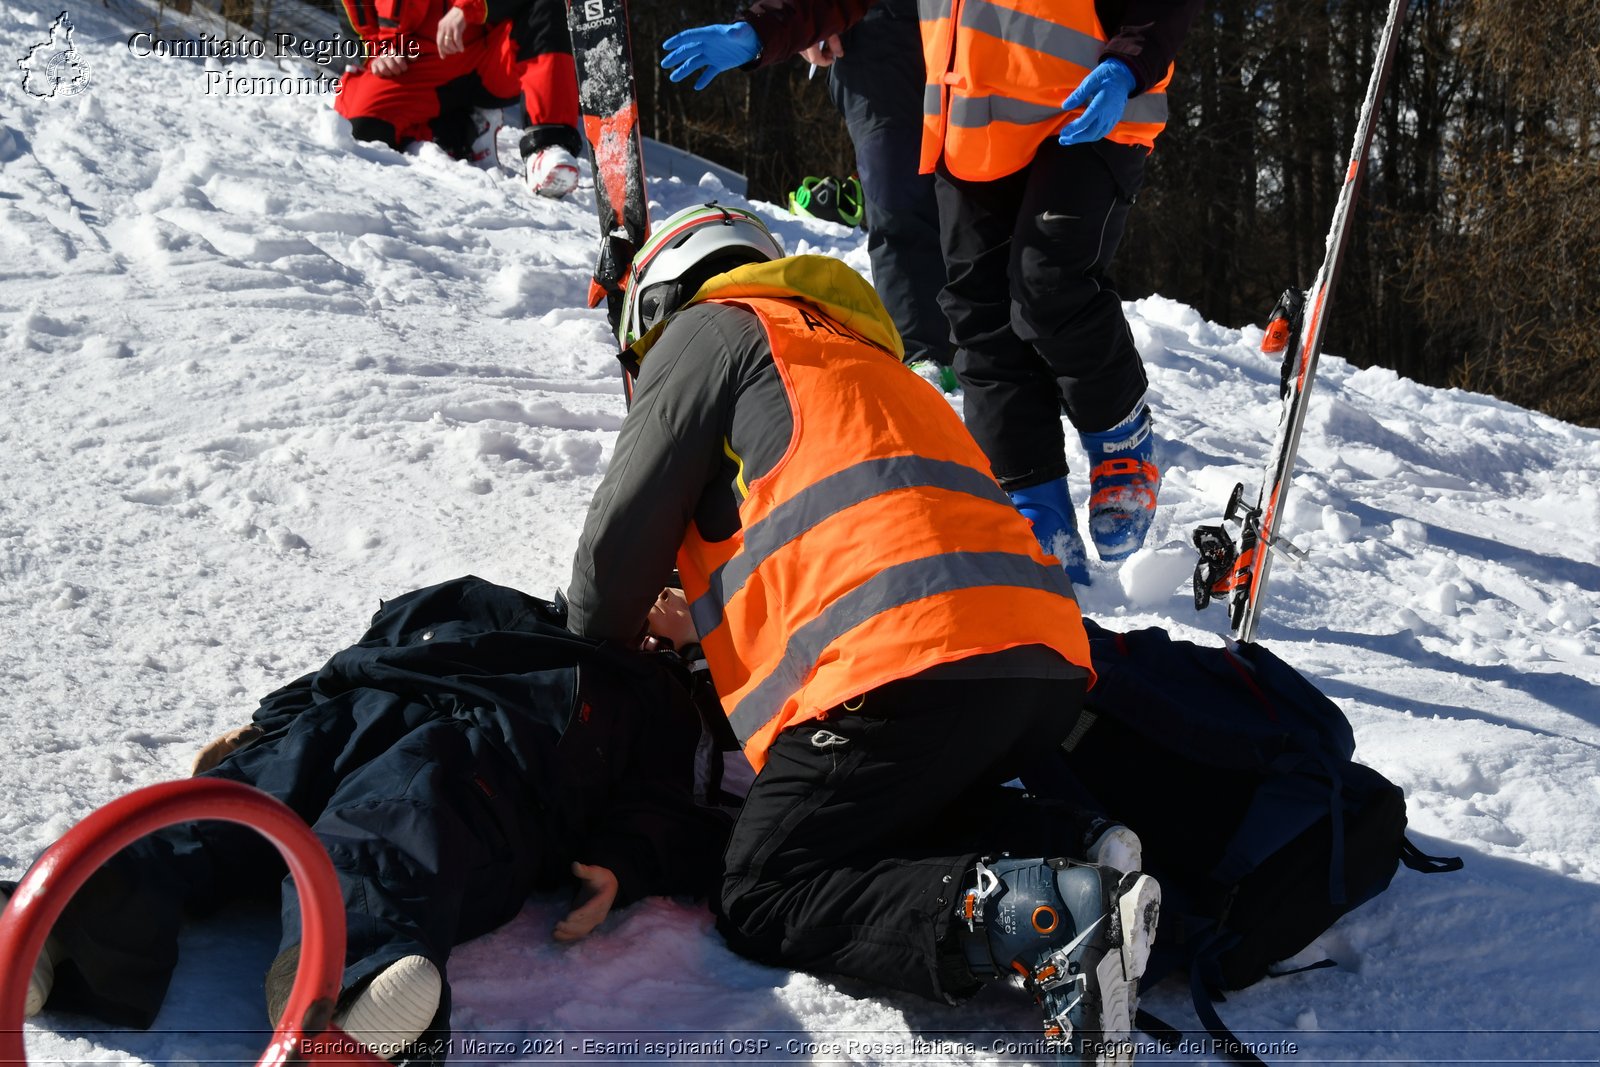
(257, 375)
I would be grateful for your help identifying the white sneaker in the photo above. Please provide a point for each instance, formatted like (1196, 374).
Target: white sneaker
(486, 124)
(395, 1008)
(552, 172)
(44, 972)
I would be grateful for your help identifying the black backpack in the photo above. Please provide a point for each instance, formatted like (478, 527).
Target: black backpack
(1236, 773)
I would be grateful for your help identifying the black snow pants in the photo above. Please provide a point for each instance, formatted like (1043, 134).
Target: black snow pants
(852, 846)
(877, 87)
(1037, 325)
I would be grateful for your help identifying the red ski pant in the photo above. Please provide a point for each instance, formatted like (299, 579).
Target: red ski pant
(500, 62)
(412, 100)
(536, 51)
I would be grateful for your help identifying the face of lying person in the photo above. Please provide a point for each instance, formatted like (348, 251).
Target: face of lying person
(669, 619)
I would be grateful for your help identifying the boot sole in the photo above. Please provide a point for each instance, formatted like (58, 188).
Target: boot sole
(395, 1008)
(1138, 909)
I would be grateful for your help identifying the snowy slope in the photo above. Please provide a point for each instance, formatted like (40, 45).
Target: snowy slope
(257, 376)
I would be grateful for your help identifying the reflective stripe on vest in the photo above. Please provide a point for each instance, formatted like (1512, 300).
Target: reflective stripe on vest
(996, 77)
(826, 498)
(891, 587)
(972, 112)
(877, 548)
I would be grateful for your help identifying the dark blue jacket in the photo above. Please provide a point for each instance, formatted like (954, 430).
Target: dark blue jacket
(599, 739)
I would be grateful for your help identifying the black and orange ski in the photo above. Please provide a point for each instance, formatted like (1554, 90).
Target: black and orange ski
(603, 50)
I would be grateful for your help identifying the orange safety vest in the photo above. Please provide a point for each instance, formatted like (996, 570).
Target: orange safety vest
(878, 547)
(998, 71)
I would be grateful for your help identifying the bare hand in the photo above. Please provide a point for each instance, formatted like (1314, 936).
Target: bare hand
(388, 66)
(452, 35)
(669, 619)
(823, 53)
(597, 889)
(219, 749)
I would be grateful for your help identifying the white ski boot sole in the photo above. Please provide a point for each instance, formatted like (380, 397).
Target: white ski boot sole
(1118, 974)
(395, 1008)
(1139, 909)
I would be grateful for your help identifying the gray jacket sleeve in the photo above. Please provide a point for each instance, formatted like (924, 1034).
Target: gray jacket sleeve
(667, 454)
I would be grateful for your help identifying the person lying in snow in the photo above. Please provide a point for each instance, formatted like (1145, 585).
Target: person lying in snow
(467, 752)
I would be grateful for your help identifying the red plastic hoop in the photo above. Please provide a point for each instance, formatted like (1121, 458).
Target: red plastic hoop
(305, 1033)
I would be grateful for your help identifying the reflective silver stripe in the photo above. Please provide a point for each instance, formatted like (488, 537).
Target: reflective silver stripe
(1031, 31)
(1148, 107)
(932, 100)
(890, 588)
(816, 503)
(976, 112)
(930, 10)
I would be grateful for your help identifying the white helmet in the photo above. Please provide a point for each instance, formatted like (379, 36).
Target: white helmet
(683, 252)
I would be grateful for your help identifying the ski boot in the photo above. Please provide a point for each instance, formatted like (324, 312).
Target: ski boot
(549, 160)
(484, 153)
(1079, 934)
(1123, 484)
(1111, 844)
(552, 172)
(1055, 524)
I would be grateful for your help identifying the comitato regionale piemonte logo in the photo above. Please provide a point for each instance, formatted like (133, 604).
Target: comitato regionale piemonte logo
(55, 68)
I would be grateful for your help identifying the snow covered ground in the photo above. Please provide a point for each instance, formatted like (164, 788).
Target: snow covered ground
(256, 376)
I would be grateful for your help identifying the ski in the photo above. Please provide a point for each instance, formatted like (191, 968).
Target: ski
(1239, 572)
(603, 51)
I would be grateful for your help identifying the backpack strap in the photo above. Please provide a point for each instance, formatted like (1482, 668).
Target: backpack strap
(1228, 1046)
(1166, 1035)
(1320, 965)
(1421, 862)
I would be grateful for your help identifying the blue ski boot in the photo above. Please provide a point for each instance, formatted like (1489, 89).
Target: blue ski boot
(1080, 936)
(1055, 524)
(1123, 483)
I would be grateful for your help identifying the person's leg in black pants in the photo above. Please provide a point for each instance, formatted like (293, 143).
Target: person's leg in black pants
(435, 842)
(1037, 326)
(115, 944)
(1011, 404)
(1073, 213)
(853, 844)
(877, 86)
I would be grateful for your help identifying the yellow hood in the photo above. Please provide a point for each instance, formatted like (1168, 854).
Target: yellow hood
(825, 283)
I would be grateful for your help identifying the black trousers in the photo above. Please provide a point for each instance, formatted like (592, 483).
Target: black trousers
(877, 87)
(1037, 325)
(852, 846)
(433, 839)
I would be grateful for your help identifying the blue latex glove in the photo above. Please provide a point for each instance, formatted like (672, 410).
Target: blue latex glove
(1103, 95)
(716, 48)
